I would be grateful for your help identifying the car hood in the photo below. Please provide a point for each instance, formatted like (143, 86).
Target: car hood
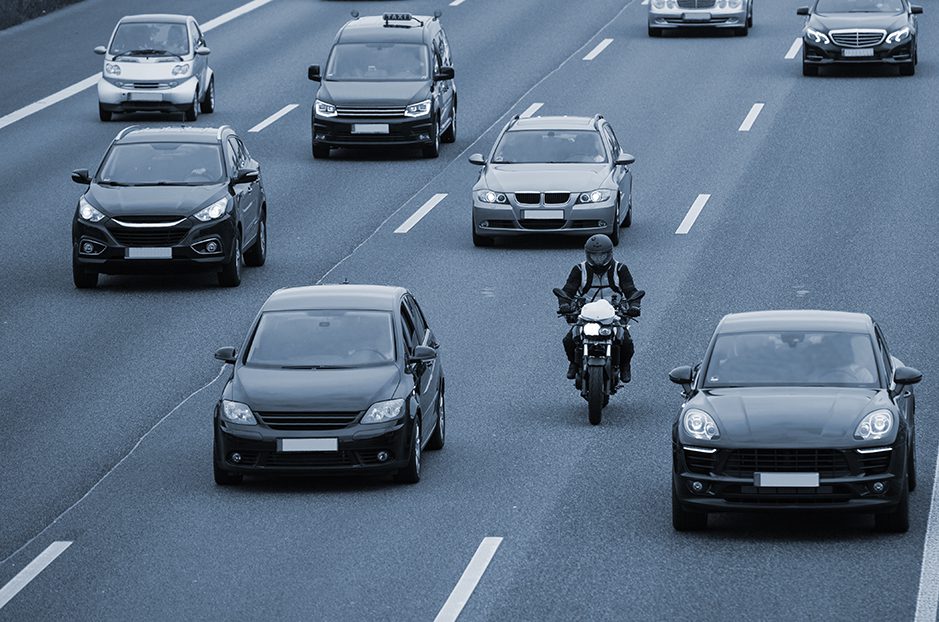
(789, 416)
(371, 93)
(314, 390)
(147, 69)
(545, 177)
(835, 21)
(153, 200)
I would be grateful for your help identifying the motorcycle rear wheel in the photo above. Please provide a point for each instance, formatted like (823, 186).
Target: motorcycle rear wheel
(595, 394)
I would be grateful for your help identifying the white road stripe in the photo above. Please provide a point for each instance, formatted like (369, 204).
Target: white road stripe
(457, 2)
(751, 117)
(596, 51)
(692, 214)
(422, 211)
(531, 110)
(32, 570)
(644, 2)
(263, 124)
(794, 49)
(928, 595)
(90, 81)
(470, 579)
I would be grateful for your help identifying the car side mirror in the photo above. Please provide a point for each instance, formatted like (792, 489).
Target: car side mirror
(916, 10)
(444, 73)
(684, 376)
(247, 176)
(904, 376)
(478, 159)
(422, 354)
(81, 176)
(313, 73)
(203, 50)
(625, 159)
(100, 49)
(802, 10)
(226, 354)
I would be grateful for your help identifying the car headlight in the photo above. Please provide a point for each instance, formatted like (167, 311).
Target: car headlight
(700, 425)
(664, 4)
(112, 69)
(817, 36)
(419, 109)
(324, 109)
(595, 196)
(87, 211)
(380, 412)
(488, 196)
(874, 426)
(898, 35)
(212, 212)
(733, 4)
(236, 412)
(181, 70)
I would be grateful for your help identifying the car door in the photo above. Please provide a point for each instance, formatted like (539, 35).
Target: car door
(200, 64)
(422, 373)
(903, 399)
(442, 88)
(443, 47)
(621, 173)
(245, 194)
(245, 161)
(434, 368)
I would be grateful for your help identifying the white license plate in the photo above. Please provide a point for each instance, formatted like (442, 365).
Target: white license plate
(146, 97)
(370, 128)
(543, 214)
(785, 480)
(307, 444)
(696, 17)
(149, 253)
(860, 53)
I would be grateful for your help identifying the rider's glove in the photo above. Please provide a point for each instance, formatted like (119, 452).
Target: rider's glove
(565, 309)
(633, 312)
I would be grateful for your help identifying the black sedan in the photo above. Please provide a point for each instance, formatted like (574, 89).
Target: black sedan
(859, 31)
(795, 410)
(331, 379)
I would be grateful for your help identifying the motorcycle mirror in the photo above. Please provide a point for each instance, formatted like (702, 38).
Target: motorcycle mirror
(637, 296)
(560, 293)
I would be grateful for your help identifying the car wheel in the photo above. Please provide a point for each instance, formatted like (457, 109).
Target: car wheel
(450, 135)
(908, 69)
(628, 221)
(433, 149)
(257, 254)
(320, 151)
(897, 521)
(750, 16)
(439, 437)
(230, 275)
(208, 100)
(809, 70)
(104, 115)
(683, 520)
(83, 279)
(742, 32)
(655, 32)
(614, 233)
(192, 113)
(411, 473)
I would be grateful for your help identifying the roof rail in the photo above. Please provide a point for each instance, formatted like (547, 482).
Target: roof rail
(222, 129)
(127, 129)
(596, 119)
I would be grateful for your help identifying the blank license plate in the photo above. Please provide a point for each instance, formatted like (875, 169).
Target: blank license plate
(370, 128)
(543, 214)
(149, 253)
(785, 480)
(857, 53)
(146, 97)
(307, 444)
(697, 17)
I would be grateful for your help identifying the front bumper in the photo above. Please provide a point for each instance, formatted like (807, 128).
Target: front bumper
(666, 19)
(517, 219)
(129, 98)
(343, 132)
(829, 54)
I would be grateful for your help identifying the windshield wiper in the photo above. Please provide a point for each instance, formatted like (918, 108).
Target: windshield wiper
(315, 367)
(148, 52)
(105, 182)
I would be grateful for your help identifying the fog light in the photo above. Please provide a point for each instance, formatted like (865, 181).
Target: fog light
(484, 223)
(602, 223)
(382, 456)
(212, 246)
(88, 247)
(878, 487)
(697, 486)
(424, 137)
(236, 457)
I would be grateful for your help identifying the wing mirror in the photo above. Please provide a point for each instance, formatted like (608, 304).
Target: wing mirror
(247, 176)
(916, 10)
(203, 50)
(313, 73)
(907, 376)
(684, 376)
(477, 159)
(422, 354)
(81, 176)
(100, 49)
(625, 159)
(802, 10)
(444, 73)
(226, 354)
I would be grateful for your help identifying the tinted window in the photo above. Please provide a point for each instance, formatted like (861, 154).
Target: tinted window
(859, 6)
(378, 61)
(144, 164)
(153, 39)
(792, 359)
(322, 338)
(561, 146)
(420, 327)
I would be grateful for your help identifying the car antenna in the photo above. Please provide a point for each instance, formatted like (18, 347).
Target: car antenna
(345, 281)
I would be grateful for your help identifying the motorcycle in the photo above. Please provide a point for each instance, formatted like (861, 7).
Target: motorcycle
(598, 331)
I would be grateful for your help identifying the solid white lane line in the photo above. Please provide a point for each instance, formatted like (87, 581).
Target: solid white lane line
(32, 570)
(751, 117)
(794, 49)
(928, 595)
(470, 579)
(531, 110)
(263, 124)
(90, 81)
(692, 214)
(457, 2)
(596, 51)
(422, 211)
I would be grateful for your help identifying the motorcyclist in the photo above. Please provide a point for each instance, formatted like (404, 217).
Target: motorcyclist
(600, 276)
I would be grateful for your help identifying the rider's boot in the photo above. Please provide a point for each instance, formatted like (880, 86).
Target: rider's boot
(572, 371)
(624, 374)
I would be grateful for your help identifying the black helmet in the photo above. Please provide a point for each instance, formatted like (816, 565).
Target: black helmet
(599, 251)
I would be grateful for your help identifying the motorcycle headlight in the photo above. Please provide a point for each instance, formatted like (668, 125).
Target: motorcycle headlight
(700, 425)
(898, 35)
(592, 329)
(595, 196)
(419, 109)
(874, 426)
(488, 196)
(817, 36)
(324, 109)
(180, 70)
(380, 412)
(214, 211)
(87, 211)
(112, 69)
(606, 332)
(236, 412)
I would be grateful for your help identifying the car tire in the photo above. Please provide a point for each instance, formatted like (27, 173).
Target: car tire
(208, 100)
(741, 32)
(433, 149)
(320, 151)
(230, 275)
(655, 32)
(104, 115)
(83, 279)
(257, 254)
(911, 470)
(628, 221)
(897, 521)
(750, 16)
(439, 437)
(908, 69)
(449, 136)
(809, 70)
(411, 473)
(614, 232)
(192, 113)
(683, 520)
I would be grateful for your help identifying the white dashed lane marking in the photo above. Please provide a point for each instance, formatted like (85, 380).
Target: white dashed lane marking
(794, 49)
(422, 211)
(531, 110)
(470, 579)
(274, 117)
(31, 571)
(597, 50)
(692, 214)
(751, 117)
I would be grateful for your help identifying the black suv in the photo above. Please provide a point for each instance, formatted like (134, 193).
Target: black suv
(388, 81)
(170, 198)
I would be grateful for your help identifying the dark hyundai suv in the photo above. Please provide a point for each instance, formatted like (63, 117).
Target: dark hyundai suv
(170, 198)
(388, 81)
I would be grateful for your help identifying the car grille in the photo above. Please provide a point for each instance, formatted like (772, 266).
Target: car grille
(858, 38)
(540, 224)
(874, 464)
(307, 459)
(699, 462)
(528, 198)
(375, 112)
(148, 237)
(825, 462)
(556, 198)
(696, 4)
(307, 421)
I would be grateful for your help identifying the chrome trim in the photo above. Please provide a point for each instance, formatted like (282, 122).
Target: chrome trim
(874, 450)
(149, 225)
(700, 450)
(857, 33)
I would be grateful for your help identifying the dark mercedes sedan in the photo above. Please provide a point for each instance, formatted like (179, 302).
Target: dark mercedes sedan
(795, 410)
(859, 31)
(331, 379)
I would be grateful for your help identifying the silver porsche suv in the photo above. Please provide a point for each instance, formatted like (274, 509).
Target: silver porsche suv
(553, 175)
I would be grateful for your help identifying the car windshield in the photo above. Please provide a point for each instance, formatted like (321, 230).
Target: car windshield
(312, 339)
(378, 62)
(162, 164)
(859, 6)
(550, 146)
(790, 358)
(150, 39)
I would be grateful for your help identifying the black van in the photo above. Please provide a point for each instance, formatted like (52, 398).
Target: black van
(388, 81)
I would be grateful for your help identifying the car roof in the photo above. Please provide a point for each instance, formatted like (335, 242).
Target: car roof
(796, 320)
(155, 17)
(181, 133)
(366, 297)
(372, 29)
(555, 123)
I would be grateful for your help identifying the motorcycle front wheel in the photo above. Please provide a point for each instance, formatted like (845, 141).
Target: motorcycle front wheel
(595, 394)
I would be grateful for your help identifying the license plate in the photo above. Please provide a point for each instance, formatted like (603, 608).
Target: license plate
(785, 480)
(149, 253)
(370, 128)
(696, 17)
(146, 97)
(543, 214)
(860, 53)
(307, 444)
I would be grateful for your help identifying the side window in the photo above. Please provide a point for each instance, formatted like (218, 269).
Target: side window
(420, 326)
(436, 53)
(193, 37)
(231, 158)
(445, 49)
(245, 156)
(407, 328)
(200, 38)
(237, 155)
(611, 139)
(888, 364)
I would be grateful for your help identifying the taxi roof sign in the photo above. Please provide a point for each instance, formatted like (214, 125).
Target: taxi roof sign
(400, 17)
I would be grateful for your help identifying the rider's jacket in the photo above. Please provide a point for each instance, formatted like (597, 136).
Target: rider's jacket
(592, 285)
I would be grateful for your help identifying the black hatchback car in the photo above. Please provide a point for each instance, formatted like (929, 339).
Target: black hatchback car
(388, 81)
(795, 410)
(176, 198)
(331, 379)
